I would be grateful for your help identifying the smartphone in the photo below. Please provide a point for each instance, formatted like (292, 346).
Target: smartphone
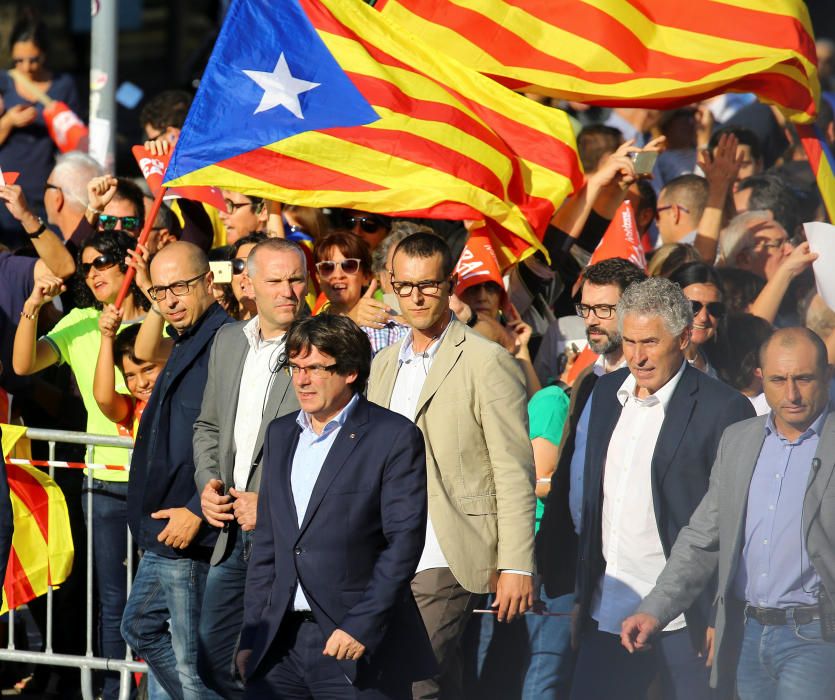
(392, 301)
(644, 161)
(222, 271)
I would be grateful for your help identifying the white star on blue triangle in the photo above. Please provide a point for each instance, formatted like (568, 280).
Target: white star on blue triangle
(280, 88)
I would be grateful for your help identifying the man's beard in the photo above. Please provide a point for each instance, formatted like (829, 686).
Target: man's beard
(604, 347)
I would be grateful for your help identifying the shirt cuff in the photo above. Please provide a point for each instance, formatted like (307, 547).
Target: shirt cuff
(515, 571)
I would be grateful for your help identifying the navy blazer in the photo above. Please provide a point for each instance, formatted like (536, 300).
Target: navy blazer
(699, 411)
(162, 466)
(356, 550)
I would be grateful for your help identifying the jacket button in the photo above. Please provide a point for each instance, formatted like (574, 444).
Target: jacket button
(297, 551)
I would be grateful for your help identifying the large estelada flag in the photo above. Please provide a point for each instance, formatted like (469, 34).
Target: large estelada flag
(327, 103)
(42, 548)
(640, 53)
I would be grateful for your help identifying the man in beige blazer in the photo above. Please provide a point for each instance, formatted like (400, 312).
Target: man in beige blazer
(467, 395)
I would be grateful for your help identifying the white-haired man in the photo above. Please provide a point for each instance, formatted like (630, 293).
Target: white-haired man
(653, 433)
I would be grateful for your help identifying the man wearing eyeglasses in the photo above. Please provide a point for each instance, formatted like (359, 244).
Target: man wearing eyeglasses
(467, 395)
(245, 391)
(341, 522)
(161, 617)
(680, 205)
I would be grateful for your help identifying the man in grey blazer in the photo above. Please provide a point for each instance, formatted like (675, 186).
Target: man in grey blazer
(767, 524)
(245, 390)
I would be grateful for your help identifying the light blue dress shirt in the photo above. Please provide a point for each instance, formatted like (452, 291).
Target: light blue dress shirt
(310, 455)
(774, 570)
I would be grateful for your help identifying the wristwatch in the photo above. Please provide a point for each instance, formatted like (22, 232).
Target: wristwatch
(41, 228)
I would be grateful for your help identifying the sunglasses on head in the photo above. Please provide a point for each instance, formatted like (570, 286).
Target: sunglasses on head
(350, 266)
(103, 262)
(108, 222)
(367, 224)
(714, 308)
(238, 265)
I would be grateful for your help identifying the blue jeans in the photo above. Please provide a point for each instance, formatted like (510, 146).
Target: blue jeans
(110, 551)
(221, 619)
(781, 662)
(161, 621)
(551, 664)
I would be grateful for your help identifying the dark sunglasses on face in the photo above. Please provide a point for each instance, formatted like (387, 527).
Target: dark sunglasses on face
(103, 262)
(350, 266)
(367, 224)
(238, 265)
(108, 222)
(714, 308)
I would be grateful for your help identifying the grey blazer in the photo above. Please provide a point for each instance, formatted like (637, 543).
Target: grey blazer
(214, 431)
(715, 536)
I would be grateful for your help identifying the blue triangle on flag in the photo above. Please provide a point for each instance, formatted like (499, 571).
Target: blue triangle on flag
(270, 76)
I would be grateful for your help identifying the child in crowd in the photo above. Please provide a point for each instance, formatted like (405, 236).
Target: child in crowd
(117, 350)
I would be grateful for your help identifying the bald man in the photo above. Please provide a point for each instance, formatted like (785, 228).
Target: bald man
(766, 525)
(161, 618)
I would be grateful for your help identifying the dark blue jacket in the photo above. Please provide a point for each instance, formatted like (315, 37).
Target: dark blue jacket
(699, 411)
(356, 550)
(162, 467)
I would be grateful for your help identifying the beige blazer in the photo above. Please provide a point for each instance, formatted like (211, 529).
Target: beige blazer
(480, 471)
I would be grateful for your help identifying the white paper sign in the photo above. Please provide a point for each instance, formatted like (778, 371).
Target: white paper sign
(821, 239)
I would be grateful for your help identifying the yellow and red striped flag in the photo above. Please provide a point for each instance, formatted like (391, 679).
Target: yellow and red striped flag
(327, 103)
(42, 548)
(641, 53)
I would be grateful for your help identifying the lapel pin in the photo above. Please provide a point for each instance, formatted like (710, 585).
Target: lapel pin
(353, 436)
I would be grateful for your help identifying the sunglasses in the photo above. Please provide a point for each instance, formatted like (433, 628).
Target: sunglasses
(103, 262)
(350, 266)
(238, 265)
(714, 308)
(108, 222)
(367, 224)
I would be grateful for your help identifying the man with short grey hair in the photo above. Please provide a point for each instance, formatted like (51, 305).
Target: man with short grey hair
(653, 433)
(65, 195)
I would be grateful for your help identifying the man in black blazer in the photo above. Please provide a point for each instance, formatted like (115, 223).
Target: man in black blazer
(654, 431)
(328, 608)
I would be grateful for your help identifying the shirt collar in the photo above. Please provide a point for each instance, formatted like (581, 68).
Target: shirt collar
(252, 333)
(407, 352)
(662, 396)
(599, 367)
(303, 419)
(192, 330)
(814, 429)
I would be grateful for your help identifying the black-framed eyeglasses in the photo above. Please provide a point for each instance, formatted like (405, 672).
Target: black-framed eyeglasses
(602, 311)
(714, 308)
(238, 265)
(427, 288)
(367, 224)
(104, 262)
(311, 370)
(350, 266)
(179, 288)
(108, 222)
(232, 207)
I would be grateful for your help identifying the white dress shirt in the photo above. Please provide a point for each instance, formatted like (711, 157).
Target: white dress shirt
(260, 367)
(631, 542)
(413, 368)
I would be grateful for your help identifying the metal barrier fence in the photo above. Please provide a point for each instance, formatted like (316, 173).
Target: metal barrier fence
(89, 662)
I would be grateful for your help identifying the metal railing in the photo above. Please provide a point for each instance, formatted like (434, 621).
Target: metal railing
(89, 662)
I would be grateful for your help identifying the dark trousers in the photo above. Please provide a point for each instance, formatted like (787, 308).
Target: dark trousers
(296, 669)
(221, 617)
(445, 607)
(606, 670)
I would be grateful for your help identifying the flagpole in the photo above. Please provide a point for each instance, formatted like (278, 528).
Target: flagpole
(143, 238)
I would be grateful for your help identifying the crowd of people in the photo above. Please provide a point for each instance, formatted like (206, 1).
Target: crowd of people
(361, 448)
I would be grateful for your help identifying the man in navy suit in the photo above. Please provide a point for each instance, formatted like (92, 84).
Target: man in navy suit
(653, 435)
(328, 609)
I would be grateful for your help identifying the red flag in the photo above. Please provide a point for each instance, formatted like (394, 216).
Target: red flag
(477, 265)
(621, 239)
(65, 127)
(10, 178)
(153, 170)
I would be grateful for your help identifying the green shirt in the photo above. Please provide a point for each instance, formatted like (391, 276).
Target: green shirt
(547, 411)
(76, 340)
